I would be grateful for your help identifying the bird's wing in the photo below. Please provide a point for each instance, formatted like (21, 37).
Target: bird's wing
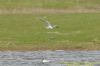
(47, 22)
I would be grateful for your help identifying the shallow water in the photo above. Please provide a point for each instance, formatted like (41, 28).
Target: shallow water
(56, 58)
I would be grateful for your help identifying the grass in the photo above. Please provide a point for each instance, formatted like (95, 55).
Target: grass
(49, 3)
(76, 31)
(82, 63)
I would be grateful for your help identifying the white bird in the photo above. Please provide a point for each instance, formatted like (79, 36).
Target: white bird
(48, 24)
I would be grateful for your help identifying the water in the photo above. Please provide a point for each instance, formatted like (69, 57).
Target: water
(56, 58)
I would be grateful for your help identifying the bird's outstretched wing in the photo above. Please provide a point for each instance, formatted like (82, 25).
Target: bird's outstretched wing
(46, 21)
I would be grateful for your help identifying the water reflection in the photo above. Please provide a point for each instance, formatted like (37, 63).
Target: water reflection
(56, 58)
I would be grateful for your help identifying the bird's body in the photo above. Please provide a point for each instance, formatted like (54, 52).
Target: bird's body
(49, 26)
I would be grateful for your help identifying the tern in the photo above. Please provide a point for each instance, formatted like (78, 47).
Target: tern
(48, 24)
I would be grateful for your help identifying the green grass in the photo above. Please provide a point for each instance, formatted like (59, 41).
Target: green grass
(75, 31)
(49, 3)
(82, 63)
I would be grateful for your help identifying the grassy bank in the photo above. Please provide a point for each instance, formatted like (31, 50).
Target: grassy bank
(27, 32)
(49, 3)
